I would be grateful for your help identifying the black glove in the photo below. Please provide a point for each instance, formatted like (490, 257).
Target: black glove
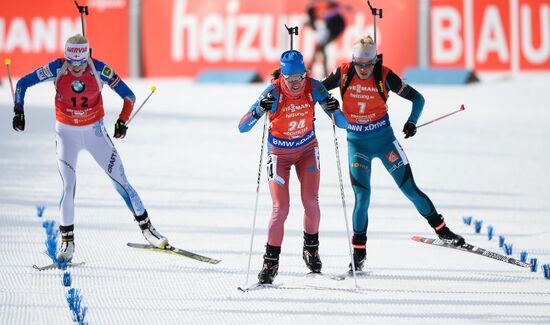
(19, 118)
(331, 104)
(409, 129)
(266, 103)
(120, 129)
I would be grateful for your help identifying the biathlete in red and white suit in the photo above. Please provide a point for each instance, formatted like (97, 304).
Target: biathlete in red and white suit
(290, 101)
(79, 126)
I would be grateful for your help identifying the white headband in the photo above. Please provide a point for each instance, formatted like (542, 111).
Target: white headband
(77, 52)
(364, 51)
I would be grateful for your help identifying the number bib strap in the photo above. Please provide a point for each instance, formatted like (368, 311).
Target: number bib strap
(294, 143)
(369, 127)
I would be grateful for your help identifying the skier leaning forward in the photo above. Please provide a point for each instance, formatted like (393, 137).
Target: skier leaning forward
(290, 101)
(364, 86)
(78, 81)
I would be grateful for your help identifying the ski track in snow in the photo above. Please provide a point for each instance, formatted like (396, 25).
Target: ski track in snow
(196, 175)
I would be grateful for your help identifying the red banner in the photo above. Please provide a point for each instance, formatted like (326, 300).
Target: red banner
(184, 37)
(32, 33)
(491, 35)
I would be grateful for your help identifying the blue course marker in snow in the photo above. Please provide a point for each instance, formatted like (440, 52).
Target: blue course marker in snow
(478, 224)
(508, 249)
(74, 299)
(523, 256)
(490, 231)
(533, 264)
(500, 241)
(40, 210)
(67, 279)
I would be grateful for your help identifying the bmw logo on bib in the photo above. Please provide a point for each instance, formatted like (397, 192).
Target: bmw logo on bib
(78, 86)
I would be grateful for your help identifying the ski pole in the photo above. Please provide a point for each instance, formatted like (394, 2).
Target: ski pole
(7, 62)
(343, 197)
(256, 202)
(442, 117)
(153, 89)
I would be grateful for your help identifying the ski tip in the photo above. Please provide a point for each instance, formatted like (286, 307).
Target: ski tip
(416, 238)
(462, 107)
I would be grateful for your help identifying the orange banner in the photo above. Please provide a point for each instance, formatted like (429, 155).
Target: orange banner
(490, 35)
(32, 33)
(184, 37)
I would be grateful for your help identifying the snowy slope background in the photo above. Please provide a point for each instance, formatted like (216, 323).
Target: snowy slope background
(197, 176)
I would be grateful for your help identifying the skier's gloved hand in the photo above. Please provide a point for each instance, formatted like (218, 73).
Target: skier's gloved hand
(409, 129)
(266, 103)
(331, 104)
(19, 118)
(120, 129)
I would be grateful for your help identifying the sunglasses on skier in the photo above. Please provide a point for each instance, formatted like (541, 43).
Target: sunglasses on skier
(76, 63)
(364, 65)
(295, 77)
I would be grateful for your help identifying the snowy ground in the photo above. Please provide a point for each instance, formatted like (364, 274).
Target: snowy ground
(197, 177)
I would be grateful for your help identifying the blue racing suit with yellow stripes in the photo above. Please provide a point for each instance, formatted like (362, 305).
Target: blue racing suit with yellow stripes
(370, 136)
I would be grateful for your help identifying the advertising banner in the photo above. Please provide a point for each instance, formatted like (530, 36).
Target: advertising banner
(185, 37)
(33, 33)
(490, 35)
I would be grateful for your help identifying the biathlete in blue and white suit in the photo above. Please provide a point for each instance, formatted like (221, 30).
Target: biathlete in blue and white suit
(78, 81)
(364, 86)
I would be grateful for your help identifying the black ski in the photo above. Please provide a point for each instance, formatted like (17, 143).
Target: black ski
(55, 266)
(175, 251)
(471, 249)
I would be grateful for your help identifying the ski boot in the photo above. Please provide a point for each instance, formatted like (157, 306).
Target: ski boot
(359, 242)
(443, 232)
(310, 252)
(270, 267)
(150, 233)
(66, 250)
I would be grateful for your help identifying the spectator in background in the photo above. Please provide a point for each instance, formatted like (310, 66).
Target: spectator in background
(327, 20)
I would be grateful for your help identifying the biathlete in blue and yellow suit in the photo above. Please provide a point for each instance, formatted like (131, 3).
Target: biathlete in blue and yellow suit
(364, 87)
